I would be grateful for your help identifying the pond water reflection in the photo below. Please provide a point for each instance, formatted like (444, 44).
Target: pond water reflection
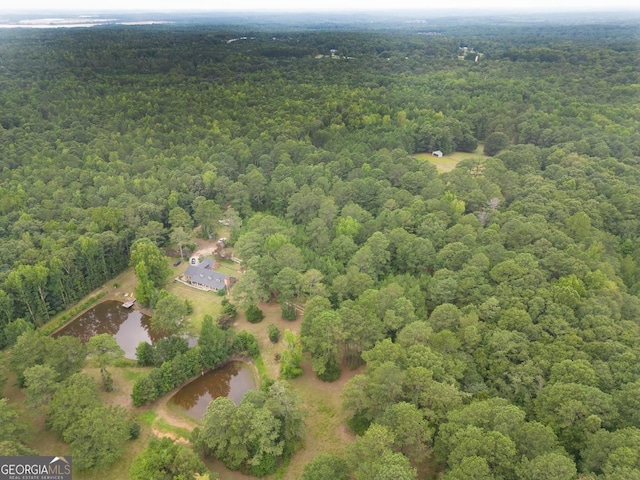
(129, 327)
(231, 380)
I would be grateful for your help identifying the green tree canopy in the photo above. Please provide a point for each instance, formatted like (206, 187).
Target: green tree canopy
(98, 438)
(495, 142)
(144, 250)
(164, 458)
(104, 349)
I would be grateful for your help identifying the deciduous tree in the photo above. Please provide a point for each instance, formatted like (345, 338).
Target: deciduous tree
(164, 458)
(169, 316)
(214, 347)
(144, 250)
(291, 356)
(495, 142)
(40, 383)
(12, 426)
(321, 337)
(98, 438)
(372, 457)
(77, 395)
(104, 349)
(325, 465)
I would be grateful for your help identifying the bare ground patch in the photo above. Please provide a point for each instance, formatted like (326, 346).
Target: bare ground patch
(172, 436)
(180, 421)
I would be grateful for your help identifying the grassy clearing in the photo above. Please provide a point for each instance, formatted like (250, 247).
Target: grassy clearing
(325, 419)
(268, 350)
(459, 156)
(133, 374)
(449, 162)
(322, 402)
(262, 370)
(444, 164)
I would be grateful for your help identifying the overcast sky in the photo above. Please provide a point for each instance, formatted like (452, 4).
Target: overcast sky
(319, 5)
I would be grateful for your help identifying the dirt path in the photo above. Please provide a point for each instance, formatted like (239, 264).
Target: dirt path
(172, 436)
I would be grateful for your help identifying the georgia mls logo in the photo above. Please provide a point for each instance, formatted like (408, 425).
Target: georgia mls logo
(62, 463)
(35, 468)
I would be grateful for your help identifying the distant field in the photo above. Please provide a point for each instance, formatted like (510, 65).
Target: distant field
(449, 162)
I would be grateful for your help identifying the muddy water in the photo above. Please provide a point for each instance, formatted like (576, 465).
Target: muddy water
(231, 381)
(128, 327)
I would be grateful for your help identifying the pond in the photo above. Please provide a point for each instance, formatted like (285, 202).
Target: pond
(129, 327)
(231, 380)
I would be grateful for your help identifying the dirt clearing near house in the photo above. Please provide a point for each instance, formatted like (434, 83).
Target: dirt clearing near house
(449, 162)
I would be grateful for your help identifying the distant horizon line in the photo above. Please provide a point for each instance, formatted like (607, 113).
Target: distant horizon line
(399, 10)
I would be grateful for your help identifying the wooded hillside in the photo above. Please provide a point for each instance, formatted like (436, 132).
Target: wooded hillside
(496, 306)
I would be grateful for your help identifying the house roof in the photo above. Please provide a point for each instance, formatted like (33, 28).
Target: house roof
(204, 275)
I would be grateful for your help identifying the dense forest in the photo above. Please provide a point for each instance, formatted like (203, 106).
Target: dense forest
(494, 310)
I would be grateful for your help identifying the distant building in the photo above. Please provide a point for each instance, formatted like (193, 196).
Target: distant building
(202, 275)
(438, 154)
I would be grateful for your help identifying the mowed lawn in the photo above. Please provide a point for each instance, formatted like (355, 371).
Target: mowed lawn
(203, 303)
(449, 162)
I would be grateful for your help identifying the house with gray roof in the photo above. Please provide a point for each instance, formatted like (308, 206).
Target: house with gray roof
(203, 276)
